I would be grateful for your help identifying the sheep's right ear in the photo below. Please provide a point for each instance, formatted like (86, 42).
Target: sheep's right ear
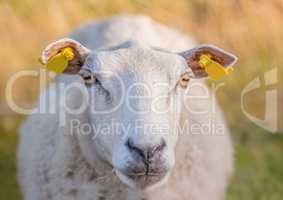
(80, 53)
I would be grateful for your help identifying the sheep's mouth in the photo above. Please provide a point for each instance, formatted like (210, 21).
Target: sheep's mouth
(146, 180)
(137, 176)
(141, 179)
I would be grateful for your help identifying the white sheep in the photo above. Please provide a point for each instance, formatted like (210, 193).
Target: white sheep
(169, 139)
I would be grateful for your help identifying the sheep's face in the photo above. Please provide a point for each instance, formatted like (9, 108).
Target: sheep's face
(137, 98)
(135, 105)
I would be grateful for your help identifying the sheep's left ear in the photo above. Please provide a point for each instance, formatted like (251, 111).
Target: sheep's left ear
(192, 58)
(78, 50)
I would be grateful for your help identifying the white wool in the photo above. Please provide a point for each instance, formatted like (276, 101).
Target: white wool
(54, 165)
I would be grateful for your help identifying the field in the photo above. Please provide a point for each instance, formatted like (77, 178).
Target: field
(251, 29)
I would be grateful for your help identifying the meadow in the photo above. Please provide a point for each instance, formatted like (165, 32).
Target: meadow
(251, 29)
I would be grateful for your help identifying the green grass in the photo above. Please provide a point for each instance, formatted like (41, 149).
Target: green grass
(258, 174)
(259, 165)
(9, 188)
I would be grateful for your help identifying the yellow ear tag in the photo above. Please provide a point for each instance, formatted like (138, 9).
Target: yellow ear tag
(215, 70)
(59, 62)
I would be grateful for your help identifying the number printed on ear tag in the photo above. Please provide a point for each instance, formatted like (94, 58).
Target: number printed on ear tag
(59, 62)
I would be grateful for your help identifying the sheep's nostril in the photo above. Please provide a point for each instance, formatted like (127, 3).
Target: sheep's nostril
(133, 148)
(146, 152)
(159, 148)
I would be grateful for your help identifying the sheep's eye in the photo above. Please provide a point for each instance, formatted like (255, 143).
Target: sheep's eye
(184, 81)
(88, 77)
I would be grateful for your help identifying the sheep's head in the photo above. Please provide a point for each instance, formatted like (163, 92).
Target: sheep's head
(135, 104)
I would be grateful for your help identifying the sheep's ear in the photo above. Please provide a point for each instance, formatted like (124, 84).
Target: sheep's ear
(74, 65)
(219, 55)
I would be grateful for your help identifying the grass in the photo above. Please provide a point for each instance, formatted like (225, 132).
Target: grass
(259, 165)
(251, 29)
(8, 181)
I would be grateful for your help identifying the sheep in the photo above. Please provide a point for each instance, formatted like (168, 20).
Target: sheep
(133, 73)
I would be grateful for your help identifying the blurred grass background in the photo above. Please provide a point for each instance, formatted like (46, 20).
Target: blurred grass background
(252, 29)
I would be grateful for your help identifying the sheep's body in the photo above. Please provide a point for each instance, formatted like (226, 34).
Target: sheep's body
(51, 164)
